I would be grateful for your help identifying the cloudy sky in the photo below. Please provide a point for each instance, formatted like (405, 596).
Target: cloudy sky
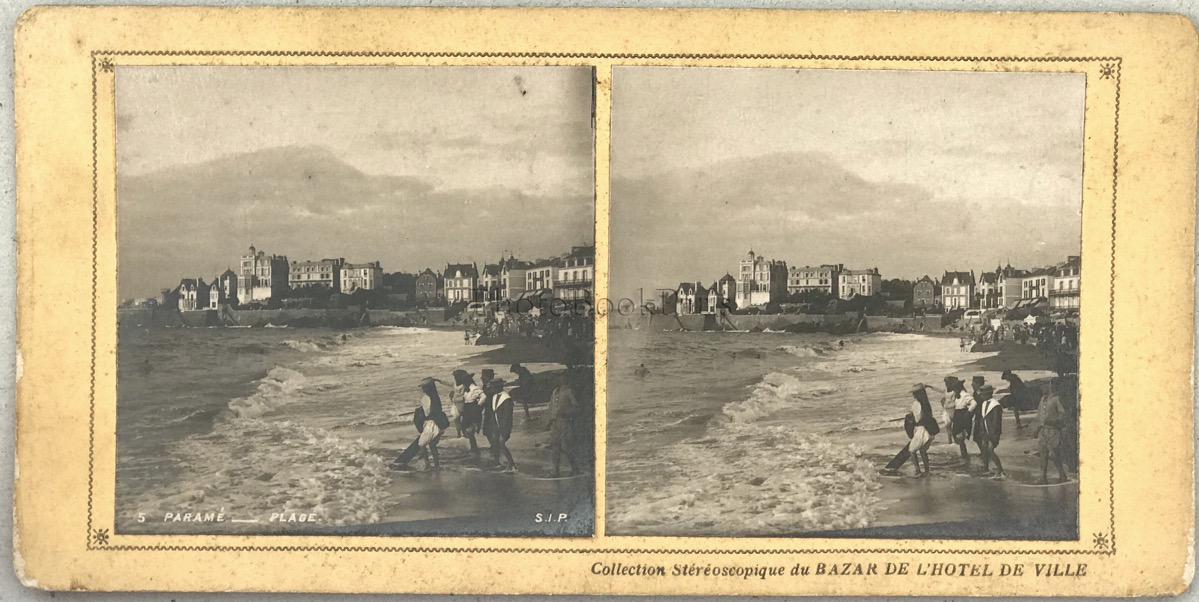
(911, 172)
(411, 166)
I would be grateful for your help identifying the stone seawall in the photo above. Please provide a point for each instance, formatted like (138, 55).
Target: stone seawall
(298, 318)
(770, 322)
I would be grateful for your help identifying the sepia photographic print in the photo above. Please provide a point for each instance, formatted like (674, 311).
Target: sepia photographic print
(543, 301)
(355, 300)
(857, 303)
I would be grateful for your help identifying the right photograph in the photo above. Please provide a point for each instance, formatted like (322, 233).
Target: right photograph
(844, 303)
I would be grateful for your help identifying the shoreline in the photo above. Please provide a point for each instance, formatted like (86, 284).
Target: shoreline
(462, 499)
(956, 502)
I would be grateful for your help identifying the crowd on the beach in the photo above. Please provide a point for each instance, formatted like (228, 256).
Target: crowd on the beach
(487, 408)
(1058, 341)
(976, 415)
(566, 325)
(1062, 335)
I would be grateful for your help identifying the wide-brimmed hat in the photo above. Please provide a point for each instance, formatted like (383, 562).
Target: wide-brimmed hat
(497, 384)
(986, 392)
(953, 380)
(917, 388)
(978, 380)
(428, 380)
(457, 373)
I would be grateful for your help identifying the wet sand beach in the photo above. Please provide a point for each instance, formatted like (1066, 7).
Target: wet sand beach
(958, 503)
(304, 423)
(467, 497)
(769, 435)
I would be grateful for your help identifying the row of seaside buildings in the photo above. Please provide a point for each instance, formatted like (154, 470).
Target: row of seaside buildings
(1056, 287)
(761, 281)
(262, 277)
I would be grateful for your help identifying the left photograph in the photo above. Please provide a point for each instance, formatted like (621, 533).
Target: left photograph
(355, 300)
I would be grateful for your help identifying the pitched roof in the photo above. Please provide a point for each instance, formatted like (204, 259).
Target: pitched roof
(491, 269)
(468, 270)
(686, 287)
(951, 278)
(727, 278)
(512, 263)
(584, 251)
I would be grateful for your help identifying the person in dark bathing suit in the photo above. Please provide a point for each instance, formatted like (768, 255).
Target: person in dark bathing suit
(1018, 397)
(470, 415)
(430, 422)
(524, 387)
(497, 422)
(921, 426)
(988, 428)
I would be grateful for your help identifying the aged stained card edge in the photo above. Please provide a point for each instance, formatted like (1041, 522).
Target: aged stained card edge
(1138, 215)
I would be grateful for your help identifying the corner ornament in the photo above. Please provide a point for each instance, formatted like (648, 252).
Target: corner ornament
(1107, 71)
(1101, 542)
(106, 64)
(100, 536)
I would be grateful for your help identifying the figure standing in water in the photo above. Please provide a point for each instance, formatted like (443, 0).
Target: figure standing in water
(988, 427)
(921, 426)
(430, 421)
(961, 414)
(524, 387)
(1051, 415)
(497, 422)
(470, 413)
(1018, 396)
(563, 410)
(926, 428)
(641, 372)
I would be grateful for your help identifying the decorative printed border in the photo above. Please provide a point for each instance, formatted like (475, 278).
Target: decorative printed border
(98, 539)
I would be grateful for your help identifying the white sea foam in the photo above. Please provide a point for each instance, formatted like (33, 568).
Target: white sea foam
(806, 350)
(261, 467)
(307, 346)
(774, 392)
(277, 388)
(757, 480)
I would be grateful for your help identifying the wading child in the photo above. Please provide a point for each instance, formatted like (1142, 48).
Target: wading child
(988, 428)
(470, 413)
(563, 410)
(1052, 418)
(430, 422)
(497, 422)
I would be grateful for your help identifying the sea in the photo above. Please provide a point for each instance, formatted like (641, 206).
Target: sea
(746, 433)
(254, 422)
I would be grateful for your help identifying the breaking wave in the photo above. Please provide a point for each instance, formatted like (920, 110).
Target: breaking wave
(776, 391)
(276, 389)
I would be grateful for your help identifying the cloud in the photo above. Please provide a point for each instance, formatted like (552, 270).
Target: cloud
(304, 202)
(805, 208)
